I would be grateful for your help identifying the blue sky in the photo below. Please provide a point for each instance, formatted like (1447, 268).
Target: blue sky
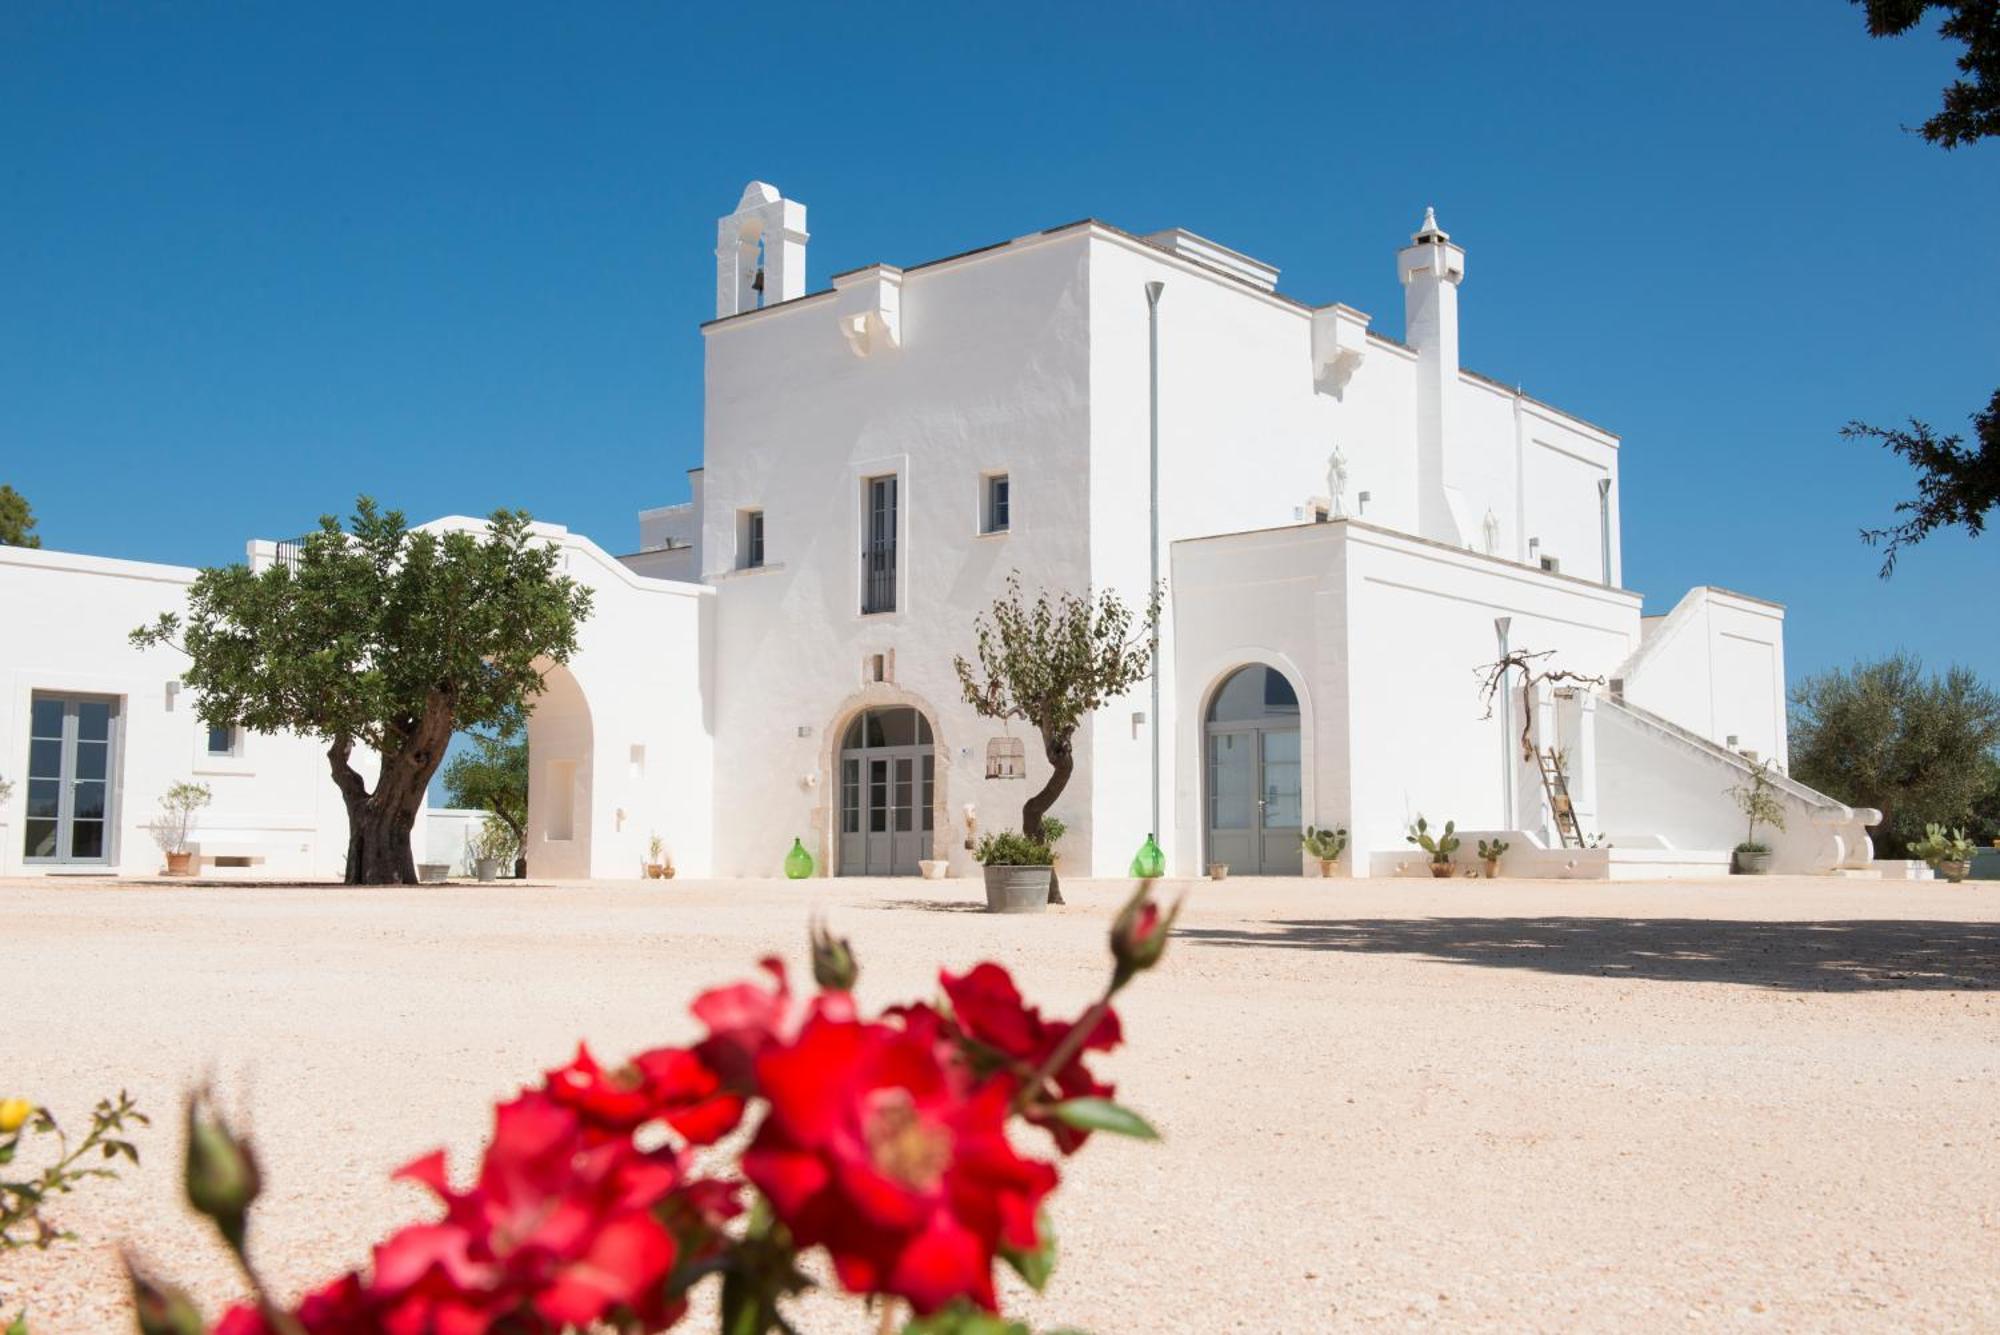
(255, 259)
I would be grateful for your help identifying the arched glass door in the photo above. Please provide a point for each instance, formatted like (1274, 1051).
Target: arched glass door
(888, 773)
(1255, 786)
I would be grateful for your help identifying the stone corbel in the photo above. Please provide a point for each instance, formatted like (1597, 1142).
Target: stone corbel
(869, 305)
(1339, 342)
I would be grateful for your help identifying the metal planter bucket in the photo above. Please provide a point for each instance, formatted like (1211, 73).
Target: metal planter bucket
(1017, 889)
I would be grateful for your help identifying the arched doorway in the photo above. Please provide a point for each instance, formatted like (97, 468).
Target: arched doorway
(1255, 784)
(887, 768)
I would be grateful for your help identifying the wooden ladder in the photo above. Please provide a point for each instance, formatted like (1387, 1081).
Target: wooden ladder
(1556, 785)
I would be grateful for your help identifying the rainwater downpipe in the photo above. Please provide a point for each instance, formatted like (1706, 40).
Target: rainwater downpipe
(1153, 290)
(1500, 625)
(1604, 525)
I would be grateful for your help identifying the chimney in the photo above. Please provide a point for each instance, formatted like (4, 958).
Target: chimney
(1431, 268)
(760, 252)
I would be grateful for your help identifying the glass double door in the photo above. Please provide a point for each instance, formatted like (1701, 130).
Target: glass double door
(1254, 799)
(888, 776)
(72, 742)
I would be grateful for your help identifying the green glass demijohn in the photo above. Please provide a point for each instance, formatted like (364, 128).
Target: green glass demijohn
(798, 862)
(1149, 862)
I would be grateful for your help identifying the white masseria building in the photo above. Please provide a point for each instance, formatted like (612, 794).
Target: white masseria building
(1350, 525)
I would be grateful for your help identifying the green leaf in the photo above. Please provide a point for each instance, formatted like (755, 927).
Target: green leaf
(1104, 1115)
(19, 1325)
(1037, 1265)
(960, 1319)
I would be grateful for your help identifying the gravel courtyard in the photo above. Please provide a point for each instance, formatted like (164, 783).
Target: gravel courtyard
(1759, 1104)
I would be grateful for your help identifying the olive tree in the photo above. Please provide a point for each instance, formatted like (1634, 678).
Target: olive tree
(1050, 662)
(493, 777)
(385, 638)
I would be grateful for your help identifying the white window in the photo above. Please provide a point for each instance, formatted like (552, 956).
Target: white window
(749, 539)
(994, 505)
(224, 739)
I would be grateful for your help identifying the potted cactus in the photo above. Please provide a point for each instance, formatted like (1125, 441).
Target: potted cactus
(1490, 853)
(1440, 847)
(1017, 872)
(1324, 847)
(1950, 855)
(170, 829)
(1758, 801)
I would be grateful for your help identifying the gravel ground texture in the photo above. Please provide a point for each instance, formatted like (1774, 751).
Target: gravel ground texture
(1762, 1104)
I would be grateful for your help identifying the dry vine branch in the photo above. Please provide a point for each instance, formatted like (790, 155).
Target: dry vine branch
(1496, 673)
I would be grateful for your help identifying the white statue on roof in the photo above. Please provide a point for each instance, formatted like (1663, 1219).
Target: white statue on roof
(1336, 483)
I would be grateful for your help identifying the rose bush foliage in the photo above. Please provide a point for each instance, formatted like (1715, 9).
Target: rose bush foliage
(881, 1142)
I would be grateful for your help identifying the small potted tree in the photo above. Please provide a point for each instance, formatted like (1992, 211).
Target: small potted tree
(1324, 847)
(1017, 872)
(1950, 855)
(1758, 801)
(175, 821)
(1440, 847)
(656, 858)
(493, 847)
(1490, 854)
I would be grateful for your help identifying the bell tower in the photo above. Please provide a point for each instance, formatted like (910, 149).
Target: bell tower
(760, 252)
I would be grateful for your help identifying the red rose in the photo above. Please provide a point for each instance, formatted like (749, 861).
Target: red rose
(990, 1012)
(881, 1152)
(670, 1084)
(558, 1230)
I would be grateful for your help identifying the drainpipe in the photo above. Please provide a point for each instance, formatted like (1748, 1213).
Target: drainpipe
(1153, 290)
(1604, 525)
(1500, 625)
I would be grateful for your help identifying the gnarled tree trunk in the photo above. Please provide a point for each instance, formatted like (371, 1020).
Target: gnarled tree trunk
(380, 824)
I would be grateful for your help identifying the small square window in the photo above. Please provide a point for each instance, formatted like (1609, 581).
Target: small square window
(221, 739)
(994, 507)
(750, 538)
(1552, 565)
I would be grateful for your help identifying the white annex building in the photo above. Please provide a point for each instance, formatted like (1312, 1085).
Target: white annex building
(1349, 524)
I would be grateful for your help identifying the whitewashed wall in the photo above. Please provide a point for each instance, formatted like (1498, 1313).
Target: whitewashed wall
(65, 619)
(1716, 666)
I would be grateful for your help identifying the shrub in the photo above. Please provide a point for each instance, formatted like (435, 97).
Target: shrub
(177, 807)
(1011, 849)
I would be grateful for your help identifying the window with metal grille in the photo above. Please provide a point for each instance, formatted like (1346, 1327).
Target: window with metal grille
(878, 553)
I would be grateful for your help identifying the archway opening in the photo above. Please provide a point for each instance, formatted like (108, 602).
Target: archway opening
(1254, 781)
(560, 773)
(886, 772)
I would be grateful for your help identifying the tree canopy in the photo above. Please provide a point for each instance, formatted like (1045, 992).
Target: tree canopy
(1919, 747)
(382, 637)
(1957, 484)
(17, 520)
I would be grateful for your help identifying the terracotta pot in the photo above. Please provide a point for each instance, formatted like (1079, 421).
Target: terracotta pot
(653, 870)
(1442, 869)
(1326, 867)
(667, 872)
(1218, 871)
(1492, 869)
(180, 864)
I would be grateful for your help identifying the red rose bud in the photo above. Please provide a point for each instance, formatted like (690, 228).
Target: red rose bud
(222, 1177)
(833, 960)
(161, 1309)
(1139, 935)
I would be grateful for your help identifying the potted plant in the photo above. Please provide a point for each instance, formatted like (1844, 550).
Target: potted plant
(1758, 801)
(1324, 847)
(1950, 855)
(492, 847)
(171, 827)
(1017, 872)
(1440, 847)
(656, 858)
(1490, 853)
